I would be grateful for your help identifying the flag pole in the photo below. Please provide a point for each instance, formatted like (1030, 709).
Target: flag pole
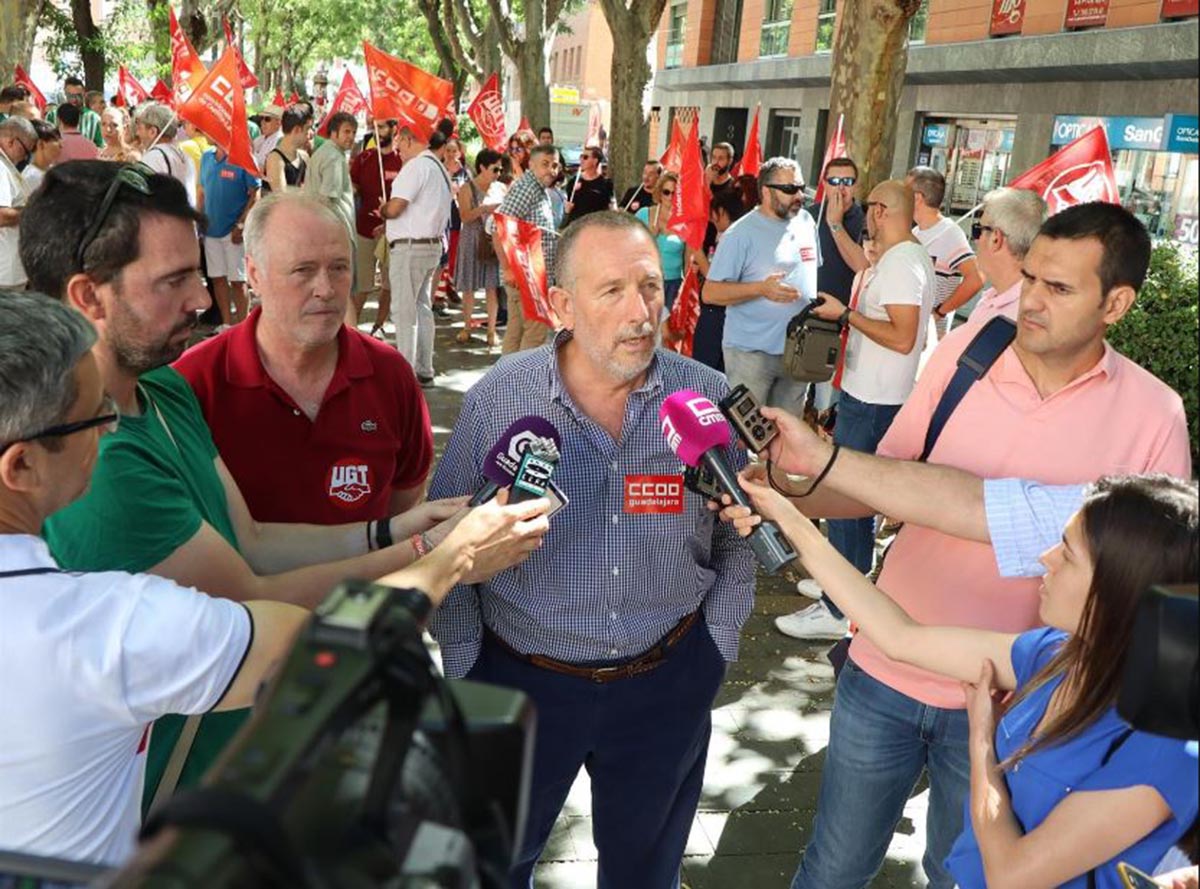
(174, 117)
(379, 156)
(970, 213)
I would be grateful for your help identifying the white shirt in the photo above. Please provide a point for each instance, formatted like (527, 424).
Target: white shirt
(90, 660)
(424, 183)
(168, 158)
(14, 191)
(263, 146)
(873, 373)
(948, 248)
(33, 175)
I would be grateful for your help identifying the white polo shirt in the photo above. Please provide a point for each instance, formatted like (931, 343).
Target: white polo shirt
(14, 191)
(90, 661)
(424, 183)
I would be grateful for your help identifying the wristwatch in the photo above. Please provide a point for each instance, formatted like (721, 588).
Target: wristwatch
(835, 227)
(844, 318)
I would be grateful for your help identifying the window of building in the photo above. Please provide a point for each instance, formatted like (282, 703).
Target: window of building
(553, 67)
(676, 24)
(918, 24)
(826, 17)
(727, 27)
(776, 26)
(783, 134)
(578, 62)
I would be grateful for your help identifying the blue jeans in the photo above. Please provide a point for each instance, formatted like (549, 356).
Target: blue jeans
(879, 742)
(860, 426)
(763, 374)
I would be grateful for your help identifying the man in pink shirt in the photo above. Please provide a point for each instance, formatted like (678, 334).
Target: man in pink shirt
(1059, 405)
(1006, 228)
(75, 145)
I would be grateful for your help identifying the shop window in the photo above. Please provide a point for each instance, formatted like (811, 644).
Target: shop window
(826, 18)
(676, 24)
(1160, 189)
(776, 26)
(918, 24)
(973, 155)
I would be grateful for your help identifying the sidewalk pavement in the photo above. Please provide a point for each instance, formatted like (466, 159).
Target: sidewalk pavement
(770, 727)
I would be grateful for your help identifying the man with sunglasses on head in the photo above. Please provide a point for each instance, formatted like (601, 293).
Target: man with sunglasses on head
(1006, 228)
(125, 255)
(765, 272)
(75, 94)
(18, 142)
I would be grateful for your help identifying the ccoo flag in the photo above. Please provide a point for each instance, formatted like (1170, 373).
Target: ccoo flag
(835, 148)
(685, 315)
(186, 68)
(21, 78)
(217, 107)
(249, 81)
(521, 242)
(1079, 172)
(689, 210)
(129, 91)
(349, 99)
(487, 110)
(402, 91)
(751, 161)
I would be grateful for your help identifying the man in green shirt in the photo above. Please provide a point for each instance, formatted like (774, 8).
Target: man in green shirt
(125, 254)
(89, 120)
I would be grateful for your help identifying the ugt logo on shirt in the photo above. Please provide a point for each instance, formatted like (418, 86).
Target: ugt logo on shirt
(348, 482)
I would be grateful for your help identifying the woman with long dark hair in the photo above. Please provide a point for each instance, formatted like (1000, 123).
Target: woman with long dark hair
(1061, 787)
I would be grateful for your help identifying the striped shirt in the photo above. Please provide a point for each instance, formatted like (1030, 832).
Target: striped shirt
(1025, 519)
(948, 248)
(527, 199)
(607, 583)
(89, 124)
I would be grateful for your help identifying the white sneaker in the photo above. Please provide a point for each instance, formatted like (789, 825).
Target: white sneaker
(813, 622)
(809, 587)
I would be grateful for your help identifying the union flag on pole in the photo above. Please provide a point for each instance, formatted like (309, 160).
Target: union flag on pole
(685, 314)
(524, 126)
(186, 68)
(487, 110)
(217, 106)
(1079, 172)
(279, 101)
(161, 92)
(249, 81)
(129, 91)
(751, 161)
(521, 242)
(403, 91)
(836, 148)
(21, 78)
(672, 158)
(349, 98)
(689, 208)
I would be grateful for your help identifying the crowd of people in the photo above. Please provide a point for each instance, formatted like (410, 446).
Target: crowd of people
(171, 509)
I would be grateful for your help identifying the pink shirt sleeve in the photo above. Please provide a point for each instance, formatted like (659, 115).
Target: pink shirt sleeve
(1172, 453)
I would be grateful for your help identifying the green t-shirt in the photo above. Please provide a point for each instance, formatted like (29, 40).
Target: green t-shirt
(150, 491)
(89, 124)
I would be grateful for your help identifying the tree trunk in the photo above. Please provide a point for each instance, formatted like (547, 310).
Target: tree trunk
(530, 52)
(91, 48)
(534, 80)
(18, 26)
(870, 58)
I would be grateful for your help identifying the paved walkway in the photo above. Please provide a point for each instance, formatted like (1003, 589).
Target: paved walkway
(770, 729)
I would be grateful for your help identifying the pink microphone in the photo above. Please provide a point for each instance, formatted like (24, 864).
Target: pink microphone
(698, 433)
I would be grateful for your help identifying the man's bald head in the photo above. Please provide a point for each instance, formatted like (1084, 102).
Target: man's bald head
(894, 193)
(889, 211)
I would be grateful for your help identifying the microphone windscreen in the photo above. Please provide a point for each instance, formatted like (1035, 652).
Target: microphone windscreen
(502, 461)
(692, 425)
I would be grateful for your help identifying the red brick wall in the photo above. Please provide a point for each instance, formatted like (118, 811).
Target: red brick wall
(956, 21)
(751, 36)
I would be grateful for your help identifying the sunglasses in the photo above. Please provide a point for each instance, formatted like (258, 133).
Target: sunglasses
(135, 176)
(667, 194)
(496, 169)
(840, 180)
(978, 228)
(786, 187)
(109, 419)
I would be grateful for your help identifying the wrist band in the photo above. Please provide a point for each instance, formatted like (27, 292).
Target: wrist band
(420, 545)
(383, 533)
(845, 319)
(824, 472)
(370, 536)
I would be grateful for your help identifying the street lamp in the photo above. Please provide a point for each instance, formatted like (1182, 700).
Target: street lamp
(320, 83)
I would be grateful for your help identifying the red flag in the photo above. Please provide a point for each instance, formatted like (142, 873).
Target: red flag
(751, 160)
(672, 158)
(349, 98)
(294, 98)
(689, 209)
(836, 148)
(161, 93)
(186, 68)
(521, 242)
(595, 124)
(487, 110)
(217, 106)
(402, 91)
(249, 81)
(20, 78)
(1079, 172)
(524, 126)
(685, 314)
(129, 90)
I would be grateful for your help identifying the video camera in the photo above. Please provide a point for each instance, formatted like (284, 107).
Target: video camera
(1160, 687)
(361, 767)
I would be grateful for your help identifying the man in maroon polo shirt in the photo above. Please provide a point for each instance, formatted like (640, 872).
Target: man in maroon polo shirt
(317, 422)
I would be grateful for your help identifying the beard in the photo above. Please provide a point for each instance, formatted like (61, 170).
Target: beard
(621, 368)
(135, 349)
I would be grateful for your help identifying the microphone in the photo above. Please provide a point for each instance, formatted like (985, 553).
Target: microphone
(504, 459)
(533, 476)
(697, 432)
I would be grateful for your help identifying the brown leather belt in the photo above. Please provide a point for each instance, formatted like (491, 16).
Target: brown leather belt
(414, 241)
(643, 663)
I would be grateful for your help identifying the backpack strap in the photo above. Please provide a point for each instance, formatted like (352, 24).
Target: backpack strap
(973, 364)
(26, 572)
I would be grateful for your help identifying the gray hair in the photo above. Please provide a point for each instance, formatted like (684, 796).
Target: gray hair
(41, 343)
(152, 114)
(767, 171)
(1018, 213)
(610, 220)
(258, 220)
(19, 128)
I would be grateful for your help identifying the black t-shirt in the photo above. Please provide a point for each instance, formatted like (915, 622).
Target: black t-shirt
(635, 198)
(833, 275)
(592, 195)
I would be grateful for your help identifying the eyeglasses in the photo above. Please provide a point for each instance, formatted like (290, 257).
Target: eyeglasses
(840, 180)
(869, 204)
(786, 187)
(135, 176)
(108, 419)
(978, 228)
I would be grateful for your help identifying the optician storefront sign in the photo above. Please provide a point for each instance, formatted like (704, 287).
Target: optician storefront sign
(1183, 133)
(937, 135)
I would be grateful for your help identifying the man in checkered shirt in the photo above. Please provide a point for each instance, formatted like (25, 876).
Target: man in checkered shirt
(620, 626)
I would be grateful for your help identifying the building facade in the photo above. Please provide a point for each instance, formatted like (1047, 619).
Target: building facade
(992, 88)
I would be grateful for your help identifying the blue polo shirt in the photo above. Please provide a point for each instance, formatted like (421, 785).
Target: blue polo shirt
(757, 246)
(227, 189)
(1042, 780)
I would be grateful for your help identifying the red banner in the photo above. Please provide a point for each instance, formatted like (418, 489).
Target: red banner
(521, 242)
(1086, 13)
(279, 101)
(129, 91)
(689, 210)
(402, 91)
(751, 161)
(672, 158)
(1079, 172)
(21, 78)
(217, 106)
(161, 92)
(685, 314)
(186, 68)
(1176, 8)
(487, 110)
(249, 81)
(349, 98)
(835, 148)
(524, 126)
(1008, 17)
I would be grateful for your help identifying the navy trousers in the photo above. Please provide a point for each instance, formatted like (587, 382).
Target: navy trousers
(643, 741)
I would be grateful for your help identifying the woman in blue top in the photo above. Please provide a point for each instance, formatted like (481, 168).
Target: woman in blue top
(1060, 787)
(671, 248)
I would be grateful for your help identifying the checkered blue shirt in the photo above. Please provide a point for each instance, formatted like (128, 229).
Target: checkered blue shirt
(1025, 519)
(605, 584)
(528, 199)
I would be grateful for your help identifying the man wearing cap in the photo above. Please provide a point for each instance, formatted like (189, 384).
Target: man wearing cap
(270, 131)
